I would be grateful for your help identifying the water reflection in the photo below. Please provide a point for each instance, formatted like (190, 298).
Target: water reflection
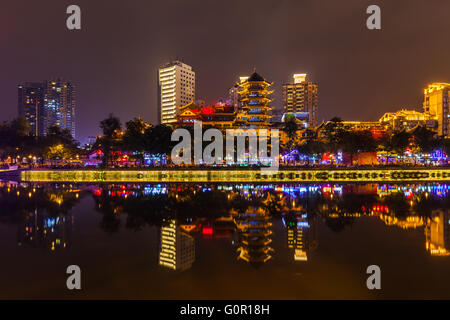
(254, 227)
(241, 214)
(176, 247)
(39, 228)
(302, 237)
(437, 233)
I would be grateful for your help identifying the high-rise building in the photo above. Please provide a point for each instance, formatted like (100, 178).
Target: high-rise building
(31, 105)
(301, 96)
(254, 103)
(59, 106)
(176, 88)
(233, 94)
(436, 102)
(47, 103)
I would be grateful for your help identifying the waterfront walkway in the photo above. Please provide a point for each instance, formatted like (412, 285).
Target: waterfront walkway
(233, 176)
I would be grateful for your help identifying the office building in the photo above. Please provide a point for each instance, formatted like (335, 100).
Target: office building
(436, 102)
(47, 103)
(31, 105)
(301, 96)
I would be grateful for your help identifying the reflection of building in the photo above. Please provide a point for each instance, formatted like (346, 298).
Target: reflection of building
(177, 248)
(39, 229)
(375, 128)
(301, 96)
(437, 233)
(59, 104)
(301, 235)
(407, 119)
(176, 88)
(436, 102)
(254, 109)
(46, 104)
(255, 230)
(411, 222)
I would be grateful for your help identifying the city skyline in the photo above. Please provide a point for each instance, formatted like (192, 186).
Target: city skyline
(117, 73)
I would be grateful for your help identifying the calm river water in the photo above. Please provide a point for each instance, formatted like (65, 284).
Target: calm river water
(230, 241)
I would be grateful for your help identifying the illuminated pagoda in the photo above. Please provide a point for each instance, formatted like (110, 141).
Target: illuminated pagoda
(254, 106)
(254, 234)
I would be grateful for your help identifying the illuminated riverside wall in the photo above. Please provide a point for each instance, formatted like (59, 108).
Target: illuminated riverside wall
(395, 175)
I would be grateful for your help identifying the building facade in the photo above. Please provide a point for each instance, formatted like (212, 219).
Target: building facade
(176, 88)
(408, 119)
(233, 94)
(220, 116)
(254, 106)
(47, 103)
(176, 247)
(31, 105)
(436, 102)
(301, 96)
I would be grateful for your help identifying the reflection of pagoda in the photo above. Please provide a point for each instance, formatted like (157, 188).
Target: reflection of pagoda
(254, 229)
(301, 235)
(254, 108)
(177, 248)
(38, 229)
(437, 233)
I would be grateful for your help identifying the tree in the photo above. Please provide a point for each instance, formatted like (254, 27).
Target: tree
(290, 128)
(159, 139)
(398, 142)
(357, 141)
(20, 127)
(310, 148)
(424, 139)
(111, 128)
(334, 134)
(134, 136)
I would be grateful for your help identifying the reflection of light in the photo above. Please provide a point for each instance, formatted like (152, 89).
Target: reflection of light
(300, 255)
(207, 230)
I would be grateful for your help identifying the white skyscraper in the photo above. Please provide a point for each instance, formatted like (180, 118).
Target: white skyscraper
(176, 86)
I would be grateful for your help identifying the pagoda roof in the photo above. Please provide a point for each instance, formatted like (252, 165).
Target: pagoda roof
(255, 77)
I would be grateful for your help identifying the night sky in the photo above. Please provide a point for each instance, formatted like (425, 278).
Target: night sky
(113, 60)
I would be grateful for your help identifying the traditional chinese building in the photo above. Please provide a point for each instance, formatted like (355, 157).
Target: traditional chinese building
(219, 116)
(408, 119)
